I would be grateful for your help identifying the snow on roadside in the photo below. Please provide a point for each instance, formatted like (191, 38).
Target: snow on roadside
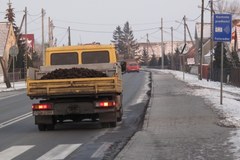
(230, 110)
(17, 86)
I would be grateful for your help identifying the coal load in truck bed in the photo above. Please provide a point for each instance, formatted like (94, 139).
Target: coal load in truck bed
(73, 73)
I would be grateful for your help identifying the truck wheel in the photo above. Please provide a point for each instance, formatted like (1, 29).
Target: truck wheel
(50, 127)
(119, 114)
(108, 124)
(104, 125)
(112, 124)
(42, 127)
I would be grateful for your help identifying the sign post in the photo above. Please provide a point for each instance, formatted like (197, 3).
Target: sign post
(13, 51)
(222, 32)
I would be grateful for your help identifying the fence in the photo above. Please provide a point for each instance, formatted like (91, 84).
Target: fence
(19, 74)
(231, 76)
(235, 77)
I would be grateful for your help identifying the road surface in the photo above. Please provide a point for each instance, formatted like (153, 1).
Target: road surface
(20, 138)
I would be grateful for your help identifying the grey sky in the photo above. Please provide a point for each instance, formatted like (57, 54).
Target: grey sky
(95, 20)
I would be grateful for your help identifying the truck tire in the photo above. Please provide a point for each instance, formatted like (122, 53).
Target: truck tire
(42, 127)
(104, 125)
(50, 127)
(119, 114)
(108, 124)
(112, 124)
(120, 111)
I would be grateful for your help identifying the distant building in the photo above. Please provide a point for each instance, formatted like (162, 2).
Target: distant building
(156, 47)
(206, 42)
(235, 43)
(7, 40)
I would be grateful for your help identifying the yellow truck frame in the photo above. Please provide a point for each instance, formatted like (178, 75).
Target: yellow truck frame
(77, 98)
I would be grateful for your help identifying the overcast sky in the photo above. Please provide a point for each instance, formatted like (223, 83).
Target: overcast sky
(95, 20)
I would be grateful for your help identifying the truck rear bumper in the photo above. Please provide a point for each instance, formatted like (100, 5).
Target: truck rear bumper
(52, 112)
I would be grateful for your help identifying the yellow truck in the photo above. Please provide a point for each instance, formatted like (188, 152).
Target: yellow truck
(77, 99)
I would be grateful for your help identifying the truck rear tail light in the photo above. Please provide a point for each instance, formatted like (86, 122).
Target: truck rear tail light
(46, 106)
(106, 104)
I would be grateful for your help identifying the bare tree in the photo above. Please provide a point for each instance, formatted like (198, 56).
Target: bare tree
(225, 6)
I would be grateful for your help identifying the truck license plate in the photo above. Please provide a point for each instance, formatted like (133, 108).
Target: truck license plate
(36, 113)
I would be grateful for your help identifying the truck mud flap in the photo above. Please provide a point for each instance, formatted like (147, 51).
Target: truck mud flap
(44, 120)
(108, 117)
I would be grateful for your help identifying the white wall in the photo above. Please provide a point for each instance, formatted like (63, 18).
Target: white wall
(1, 78)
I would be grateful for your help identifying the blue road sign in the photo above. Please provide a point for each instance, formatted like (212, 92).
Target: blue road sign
(222, 28)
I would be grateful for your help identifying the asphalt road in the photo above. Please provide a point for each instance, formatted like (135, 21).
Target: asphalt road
(20, 138)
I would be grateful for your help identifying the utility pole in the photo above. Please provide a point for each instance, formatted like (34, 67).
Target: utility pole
(43, 41)
(147, 44)
(185, 35)
(50, 32)
(172, 63)
(201, 41)
(25, 20)
(162, 43)
(26, 52)
(211, 56)
(190, 34)
(69, 36)
(185, 44)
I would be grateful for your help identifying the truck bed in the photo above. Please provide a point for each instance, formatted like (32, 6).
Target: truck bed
(73, 87)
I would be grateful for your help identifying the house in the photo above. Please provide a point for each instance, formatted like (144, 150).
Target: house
(206, 42)
(7, 40)
(235, 43)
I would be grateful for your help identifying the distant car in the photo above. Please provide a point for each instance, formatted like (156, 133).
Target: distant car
(132, 67)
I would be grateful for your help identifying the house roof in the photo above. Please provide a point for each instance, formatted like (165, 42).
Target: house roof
(206, 30)
(191, 52)
(4, 30)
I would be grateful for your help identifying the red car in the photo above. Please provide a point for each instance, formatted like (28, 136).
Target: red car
(132, 67)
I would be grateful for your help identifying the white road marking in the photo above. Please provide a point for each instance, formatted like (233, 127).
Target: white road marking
(100, 152)
(14, 120)
(14, 151)
(11, 95)
(59, 152)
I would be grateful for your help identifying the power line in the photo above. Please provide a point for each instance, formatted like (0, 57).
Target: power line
(195, 19)
(33, 20)
(63, 37)
(94, 24)
(36, 29)
(34, 15)
(148, 29)
(80, 30)
(180, 23)
(149, 34)
(102, 24)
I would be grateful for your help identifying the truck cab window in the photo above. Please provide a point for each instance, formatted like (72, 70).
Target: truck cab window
(95, 57)
(64, 58)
